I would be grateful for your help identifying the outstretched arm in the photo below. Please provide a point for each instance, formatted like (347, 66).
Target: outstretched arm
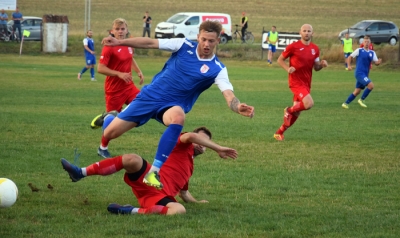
(136, 42)
(187, 197)
(235, 105)
(223, 152)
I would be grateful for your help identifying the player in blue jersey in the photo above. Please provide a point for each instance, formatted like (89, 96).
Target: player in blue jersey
(90, 57)
(192, 68)
(364, 59)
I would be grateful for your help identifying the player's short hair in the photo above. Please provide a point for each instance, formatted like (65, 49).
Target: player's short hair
(274, 27)
(203, 129)
(367, 37)
(119, 21)
(211, 26)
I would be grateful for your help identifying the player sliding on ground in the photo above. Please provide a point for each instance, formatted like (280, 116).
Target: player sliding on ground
(175, 174)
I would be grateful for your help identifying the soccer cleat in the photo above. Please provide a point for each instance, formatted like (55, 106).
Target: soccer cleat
(118, 209)
(287, 117)
(279, 137)
(75, 173)
(79, 76)
(98, 121)
(103, 153)
(153, 179)
(345, 105)
(270, 64)
(347, 68)
(93, 79)
(361, 102)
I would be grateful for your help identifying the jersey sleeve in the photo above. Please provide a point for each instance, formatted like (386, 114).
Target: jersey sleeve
(374, 58)
(105, 55)
(185, 187)
(222, 81)
(355, 53)
(172, 45)
(85, 41)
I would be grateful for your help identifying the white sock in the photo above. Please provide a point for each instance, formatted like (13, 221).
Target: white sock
(154, 168)
(103, 148)
(84, 173)
(135, 210)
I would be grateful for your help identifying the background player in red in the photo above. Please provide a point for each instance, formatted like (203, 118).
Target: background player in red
(175, 174)
(304, 56)
(117, 62)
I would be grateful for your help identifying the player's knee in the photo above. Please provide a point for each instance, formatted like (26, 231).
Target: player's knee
(370, 86)
(132, 162)
(308, 104)
(175, 208)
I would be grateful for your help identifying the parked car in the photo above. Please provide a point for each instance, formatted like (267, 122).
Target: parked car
(31, 24)
(379, 31)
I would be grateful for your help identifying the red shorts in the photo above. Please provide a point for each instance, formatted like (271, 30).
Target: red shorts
(147, 196)
(299, 93)
(115, 101)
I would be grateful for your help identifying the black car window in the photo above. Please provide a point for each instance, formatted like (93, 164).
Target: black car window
(391, 26)
(383, 26)
(373, 27)
(193, 21)
(28, 22)
(37, 22)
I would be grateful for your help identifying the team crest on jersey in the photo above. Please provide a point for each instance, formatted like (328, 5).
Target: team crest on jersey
(204, 69)
(370, 54)
(130, 50)
(312, 51)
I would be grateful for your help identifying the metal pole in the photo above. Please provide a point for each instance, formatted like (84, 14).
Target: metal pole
(84, 27)
(90, 4)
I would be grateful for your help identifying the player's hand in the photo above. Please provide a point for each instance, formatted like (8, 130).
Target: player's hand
(246, 110)
(110, 41)
(141, 77)
(324, 63)
(225, 152)
(127, 77)
(378, 62)
(291, 69)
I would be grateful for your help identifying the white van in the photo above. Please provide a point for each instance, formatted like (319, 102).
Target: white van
(186, 24)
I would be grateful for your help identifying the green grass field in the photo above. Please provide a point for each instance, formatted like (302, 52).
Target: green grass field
(337, 174)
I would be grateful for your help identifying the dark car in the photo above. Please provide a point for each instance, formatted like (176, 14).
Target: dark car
(379, 31)
(31, 24)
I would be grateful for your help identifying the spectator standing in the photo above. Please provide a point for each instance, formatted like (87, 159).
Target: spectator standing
(3, 22)
(17, 17)
(146, 24)
(243, 23)
(90, 57)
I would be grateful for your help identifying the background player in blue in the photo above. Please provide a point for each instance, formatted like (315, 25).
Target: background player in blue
(364, 59)
(90, 57)
(192, 68)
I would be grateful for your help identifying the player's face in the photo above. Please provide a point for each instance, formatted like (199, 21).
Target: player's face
(199, 149)
(89, 34)
(306, 32)
(347, 36)
(120, 31)
(207, 42)
(273, 29)
(366, 43)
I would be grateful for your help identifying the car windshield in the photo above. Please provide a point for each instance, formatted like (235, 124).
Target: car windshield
(360, 25)
(178, 18)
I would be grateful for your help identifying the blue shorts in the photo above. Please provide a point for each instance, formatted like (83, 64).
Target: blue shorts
(362, 81)
(346, 55)
(142, 110)
(90, 59)
(272, 48)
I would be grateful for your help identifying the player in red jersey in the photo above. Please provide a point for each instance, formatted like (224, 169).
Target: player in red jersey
(117, 64)
(304, 56)
(175, 174)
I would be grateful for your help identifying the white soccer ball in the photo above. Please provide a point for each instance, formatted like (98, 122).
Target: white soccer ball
(8, 192)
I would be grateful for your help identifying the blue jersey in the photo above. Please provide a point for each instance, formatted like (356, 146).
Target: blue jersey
(364, 59)
(90, 43)
(183, 78)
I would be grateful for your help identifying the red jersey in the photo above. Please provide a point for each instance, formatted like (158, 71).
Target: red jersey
(371, 47)
(175, 174)
(117, 58)
(302, 58)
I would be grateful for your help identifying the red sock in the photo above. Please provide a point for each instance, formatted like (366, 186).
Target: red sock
(156, 209)
(105, 167)
(296, 108)
(104, 141)
(283, 128)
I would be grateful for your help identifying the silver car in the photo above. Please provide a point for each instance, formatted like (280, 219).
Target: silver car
(379, 31)
(31, 24)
